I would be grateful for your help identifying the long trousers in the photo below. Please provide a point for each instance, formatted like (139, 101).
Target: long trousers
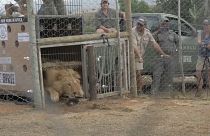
(52, 7)
(163, 73)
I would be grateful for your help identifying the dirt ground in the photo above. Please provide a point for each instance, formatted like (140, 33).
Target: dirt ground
(143, 116)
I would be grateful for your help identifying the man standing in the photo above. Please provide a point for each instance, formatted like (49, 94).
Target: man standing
(141, 39)
(106, 18)
(203, 56)
(164, 67)
(52, 7)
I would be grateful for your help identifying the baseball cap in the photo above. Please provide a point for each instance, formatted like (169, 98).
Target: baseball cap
(164, 19)
(141, 21)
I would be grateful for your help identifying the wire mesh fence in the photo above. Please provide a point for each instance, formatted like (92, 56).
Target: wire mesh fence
(59, 24)
(111, 74)
(184, 62)
(78, 19)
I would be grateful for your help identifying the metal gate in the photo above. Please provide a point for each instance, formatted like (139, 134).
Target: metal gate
(112, 67)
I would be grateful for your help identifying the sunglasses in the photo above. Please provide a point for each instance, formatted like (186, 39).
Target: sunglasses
(139, 24)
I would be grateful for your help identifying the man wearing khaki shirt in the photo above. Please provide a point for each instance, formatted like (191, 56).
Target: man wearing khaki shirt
(141, 39)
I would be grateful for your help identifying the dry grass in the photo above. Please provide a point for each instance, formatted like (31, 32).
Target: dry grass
(111, 116)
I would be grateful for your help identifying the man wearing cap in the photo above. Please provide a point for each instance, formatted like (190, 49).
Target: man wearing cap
(106, 18)
(141, 39)
(204, 52)
(164, 67)
(21, 8)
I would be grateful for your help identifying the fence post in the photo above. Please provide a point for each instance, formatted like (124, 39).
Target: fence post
(37, 92)
(180, 47)
(92, 72)
(206, 8)
(84, 71)
(119, 71)
(133, 88)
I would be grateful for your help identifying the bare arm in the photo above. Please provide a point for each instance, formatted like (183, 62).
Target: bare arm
(199, 40)
(137, 51)
(104, 28)
(208, 46)
(135, 46)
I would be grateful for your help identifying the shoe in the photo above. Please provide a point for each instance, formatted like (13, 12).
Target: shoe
(198, 93)
(173, 94)
(141, 94)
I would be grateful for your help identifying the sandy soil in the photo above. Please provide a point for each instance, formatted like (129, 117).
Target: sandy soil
(109, 117)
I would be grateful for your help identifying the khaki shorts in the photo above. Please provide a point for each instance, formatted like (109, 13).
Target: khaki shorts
(139, 66)
(200, 63)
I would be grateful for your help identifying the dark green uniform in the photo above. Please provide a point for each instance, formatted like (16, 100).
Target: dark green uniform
(52, 7)
(164, 67)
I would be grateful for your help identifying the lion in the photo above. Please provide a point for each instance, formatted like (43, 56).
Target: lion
(59, 82)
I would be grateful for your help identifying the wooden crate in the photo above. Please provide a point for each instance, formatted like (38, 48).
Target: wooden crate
(15, 65)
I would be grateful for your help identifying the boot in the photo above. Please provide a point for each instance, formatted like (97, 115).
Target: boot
(198, 93)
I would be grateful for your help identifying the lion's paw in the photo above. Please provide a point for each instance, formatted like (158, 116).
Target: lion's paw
(54, 96)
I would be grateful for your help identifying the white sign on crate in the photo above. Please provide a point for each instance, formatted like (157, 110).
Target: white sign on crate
(23, 37)
(3, 32)
(7, 78)
(5, 60)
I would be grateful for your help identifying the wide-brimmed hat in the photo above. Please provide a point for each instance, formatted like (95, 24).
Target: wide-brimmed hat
(141, 21)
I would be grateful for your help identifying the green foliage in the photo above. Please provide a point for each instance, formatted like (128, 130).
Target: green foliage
(191, 10)
(144, 7)
(195, 11)
(89, 22)
(136, 6)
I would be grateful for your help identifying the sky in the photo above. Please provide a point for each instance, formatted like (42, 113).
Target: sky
(95, 3)
(87, 5)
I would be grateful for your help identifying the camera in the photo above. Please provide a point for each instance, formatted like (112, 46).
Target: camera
(204, 45)
(204, 51)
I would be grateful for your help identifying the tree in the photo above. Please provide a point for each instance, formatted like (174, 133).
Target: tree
(187, 6)
(194, 11)
(143, 7)
(136, 6)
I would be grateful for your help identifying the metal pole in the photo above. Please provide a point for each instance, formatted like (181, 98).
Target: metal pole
(92, 72)
(38, 97)
(133, 88)
(206, 8)
(119, 73)
(85, 71)
(180, 48)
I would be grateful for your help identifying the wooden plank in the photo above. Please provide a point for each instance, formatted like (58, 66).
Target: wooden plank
(77, 38)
